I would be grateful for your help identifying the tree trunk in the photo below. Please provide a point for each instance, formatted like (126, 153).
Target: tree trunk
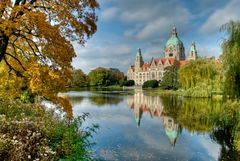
(3, 46)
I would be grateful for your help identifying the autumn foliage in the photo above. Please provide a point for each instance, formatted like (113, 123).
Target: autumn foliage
(35, 42)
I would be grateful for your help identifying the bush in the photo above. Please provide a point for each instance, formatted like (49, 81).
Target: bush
(29, 132)
(129, 83)
(150, 84)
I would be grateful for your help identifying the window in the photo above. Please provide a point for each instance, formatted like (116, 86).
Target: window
(171, 55)
(153, 75)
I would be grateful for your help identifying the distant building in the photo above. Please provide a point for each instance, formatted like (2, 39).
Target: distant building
(174, 50)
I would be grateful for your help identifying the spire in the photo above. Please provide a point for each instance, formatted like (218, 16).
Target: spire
(139, 53)
(193, 52)
(174, 31)
(138, 60)
(193, 47)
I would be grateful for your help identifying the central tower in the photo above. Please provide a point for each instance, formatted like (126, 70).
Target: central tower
(174, 47)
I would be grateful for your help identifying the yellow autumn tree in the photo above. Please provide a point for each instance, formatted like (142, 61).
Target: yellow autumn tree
(35, 41)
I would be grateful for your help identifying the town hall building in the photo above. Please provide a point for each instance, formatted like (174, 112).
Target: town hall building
(174, 50)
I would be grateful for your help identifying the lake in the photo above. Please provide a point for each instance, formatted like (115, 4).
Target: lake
(137, 126)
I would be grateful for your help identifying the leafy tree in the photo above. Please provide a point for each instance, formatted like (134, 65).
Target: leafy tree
(99, 77)
(116, 76)
(150, 84)
(231, 59)
(170, 78)
(201, 77)
(105, 77)
(79, 79)
(35, 41)
(196, 72)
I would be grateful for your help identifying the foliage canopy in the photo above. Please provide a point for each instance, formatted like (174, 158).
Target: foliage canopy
(35, 42)
(170, 78)
(231, 59)
(150, 84)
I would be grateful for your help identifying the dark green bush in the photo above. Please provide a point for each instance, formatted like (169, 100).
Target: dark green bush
(150, 84)
(129, 83)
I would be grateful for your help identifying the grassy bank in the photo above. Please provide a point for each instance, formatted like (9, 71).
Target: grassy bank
(185, 93)
(158, 91)
(29, 132)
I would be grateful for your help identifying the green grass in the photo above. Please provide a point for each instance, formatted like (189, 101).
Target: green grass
(194, 93)
(28, 132)
(161, 92)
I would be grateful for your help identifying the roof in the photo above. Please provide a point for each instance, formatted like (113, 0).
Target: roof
(146, 65)
(163, 61)
(175, 41)
(182, 62)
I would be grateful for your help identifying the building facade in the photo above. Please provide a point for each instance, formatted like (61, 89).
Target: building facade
(174, 49)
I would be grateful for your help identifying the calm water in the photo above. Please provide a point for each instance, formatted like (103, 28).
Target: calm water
(141, 127)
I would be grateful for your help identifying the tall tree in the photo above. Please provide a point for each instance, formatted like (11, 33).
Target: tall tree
(116, 76)
(170, 79)
(99, 77)
(35, 39)
(79, 79)
(231, 59)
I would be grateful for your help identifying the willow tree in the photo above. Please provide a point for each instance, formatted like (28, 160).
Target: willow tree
(231, 59)
(35, 39)
(196, 72)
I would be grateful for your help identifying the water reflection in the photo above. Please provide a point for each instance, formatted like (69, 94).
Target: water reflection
(141, 103)
(101, 100)
(143, 127)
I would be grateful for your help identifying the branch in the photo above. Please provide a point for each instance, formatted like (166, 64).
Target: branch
(11, 68)
(19, 62)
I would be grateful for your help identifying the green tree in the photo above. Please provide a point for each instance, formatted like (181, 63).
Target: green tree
(201, 77)
(170, 78)
(79, 78)
(231, 59)
(99, 77)
(198, 71)
(129, 83)
(116, 76)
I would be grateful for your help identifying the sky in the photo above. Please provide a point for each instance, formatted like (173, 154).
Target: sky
(126, 25)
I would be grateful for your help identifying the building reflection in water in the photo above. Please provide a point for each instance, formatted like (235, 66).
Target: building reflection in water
(141, 103)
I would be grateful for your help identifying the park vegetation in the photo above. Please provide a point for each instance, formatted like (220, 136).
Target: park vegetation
(99, 77)
(35, 62)
(170, 79)
(150, 84)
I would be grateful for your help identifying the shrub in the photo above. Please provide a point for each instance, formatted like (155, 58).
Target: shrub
(150, 84)
(29, 132)
(129, 83)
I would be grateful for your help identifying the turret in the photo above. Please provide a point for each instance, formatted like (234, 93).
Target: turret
(139, 60)
(193, 52)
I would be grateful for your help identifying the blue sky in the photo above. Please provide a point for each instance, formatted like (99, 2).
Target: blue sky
(125, 25)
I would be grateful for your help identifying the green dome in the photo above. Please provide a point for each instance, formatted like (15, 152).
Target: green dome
(172, 134)
(175, 41)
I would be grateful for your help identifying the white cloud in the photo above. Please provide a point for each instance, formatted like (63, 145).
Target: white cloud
(149, 20)
(94, 55)
(109, 13)
(221, 16)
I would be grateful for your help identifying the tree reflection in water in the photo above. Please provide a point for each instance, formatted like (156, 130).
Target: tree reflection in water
(201, 116)
(101, 100)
